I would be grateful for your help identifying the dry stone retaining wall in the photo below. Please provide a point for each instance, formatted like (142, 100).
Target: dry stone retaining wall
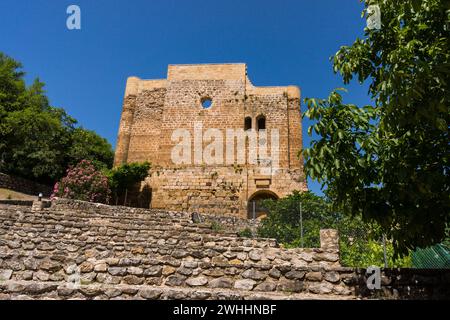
(226, 222)
(78, 250)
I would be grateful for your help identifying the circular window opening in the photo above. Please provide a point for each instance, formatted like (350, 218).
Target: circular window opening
(206, 103)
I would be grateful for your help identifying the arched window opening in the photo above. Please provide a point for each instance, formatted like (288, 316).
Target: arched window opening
(261, 123)
(247, 123)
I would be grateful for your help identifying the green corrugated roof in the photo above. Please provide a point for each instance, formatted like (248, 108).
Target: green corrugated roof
(435, 257)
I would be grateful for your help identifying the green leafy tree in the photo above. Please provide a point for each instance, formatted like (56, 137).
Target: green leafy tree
(86, 144)
(124, 177)
(360, 243)
(390, 162)
(12, 85)
(38, 141)
(33, 145)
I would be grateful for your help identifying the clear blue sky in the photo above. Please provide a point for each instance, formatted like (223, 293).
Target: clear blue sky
(282, 42)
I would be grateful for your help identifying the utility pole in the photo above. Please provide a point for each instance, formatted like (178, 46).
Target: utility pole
(254, 210)
(125, 200)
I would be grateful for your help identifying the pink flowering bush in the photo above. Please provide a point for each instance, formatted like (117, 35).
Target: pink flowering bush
(83, 182)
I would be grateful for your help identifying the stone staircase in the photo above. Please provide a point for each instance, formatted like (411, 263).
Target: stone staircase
(78, 250)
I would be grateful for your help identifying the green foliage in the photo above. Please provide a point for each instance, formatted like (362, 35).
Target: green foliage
(38, 141)
(370, 253)
(216, 226)
(245, 233)
(446, 241)
(360, 243)
(126, 176)
(390, 162)
(33, 144)
(86, 144)
(283, 221)
(12, 87)
(83, 182)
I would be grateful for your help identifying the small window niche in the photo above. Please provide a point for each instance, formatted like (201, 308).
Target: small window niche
(261, 123)
(247, 123)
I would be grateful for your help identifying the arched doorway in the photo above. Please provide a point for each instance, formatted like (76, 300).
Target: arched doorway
(254, 207)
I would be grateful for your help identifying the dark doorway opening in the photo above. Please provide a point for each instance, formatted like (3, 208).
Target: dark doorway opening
(255, 208)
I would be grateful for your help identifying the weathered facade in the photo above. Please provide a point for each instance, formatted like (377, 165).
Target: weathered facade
(197, 98)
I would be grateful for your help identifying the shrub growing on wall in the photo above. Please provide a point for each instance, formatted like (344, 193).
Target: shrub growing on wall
(83, 182)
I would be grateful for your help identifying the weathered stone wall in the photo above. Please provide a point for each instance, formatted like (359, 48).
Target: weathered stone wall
(78, 250)
(109, 247)
(154, 109)
(217, 190)
(23, 185)
(229, 223)
(146, 128)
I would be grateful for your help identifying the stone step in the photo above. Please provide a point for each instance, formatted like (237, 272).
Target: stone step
(25, 290)
(61, 227)
(81, 216)
(178, 237)
(120, 230)
(111, 247)
(122, 223)
(51, 245)
(129, 215)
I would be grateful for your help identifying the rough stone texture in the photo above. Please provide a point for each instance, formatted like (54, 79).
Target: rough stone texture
(199, 281)
(102, 252)
(154, 109)
(245, 284)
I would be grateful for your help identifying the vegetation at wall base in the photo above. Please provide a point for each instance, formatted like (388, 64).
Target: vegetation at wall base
(245, 233)
(124, 177)
(83, 182)
(216, 226)
(88, 182)
(361, 243)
